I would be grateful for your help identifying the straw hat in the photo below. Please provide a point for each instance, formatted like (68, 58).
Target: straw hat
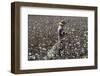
(62, 22)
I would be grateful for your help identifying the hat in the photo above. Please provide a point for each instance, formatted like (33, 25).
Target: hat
(62, 22)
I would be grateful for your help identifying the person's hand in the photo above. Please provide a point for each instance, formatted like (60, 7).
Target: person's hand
(65, 33)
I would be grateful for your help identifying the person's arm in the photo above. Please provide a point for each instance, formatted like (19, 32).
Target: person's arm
(64, 33)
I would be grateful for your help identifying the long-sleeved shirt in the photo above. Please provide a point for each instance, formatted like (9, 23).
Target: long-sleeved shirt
(60, 33)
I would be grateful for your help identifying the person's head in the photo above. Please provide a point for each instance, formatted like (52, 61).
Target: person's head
(62, 23)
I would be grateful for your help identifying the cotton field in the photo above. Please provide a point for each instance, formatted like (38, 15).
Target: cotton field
(43, 41)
